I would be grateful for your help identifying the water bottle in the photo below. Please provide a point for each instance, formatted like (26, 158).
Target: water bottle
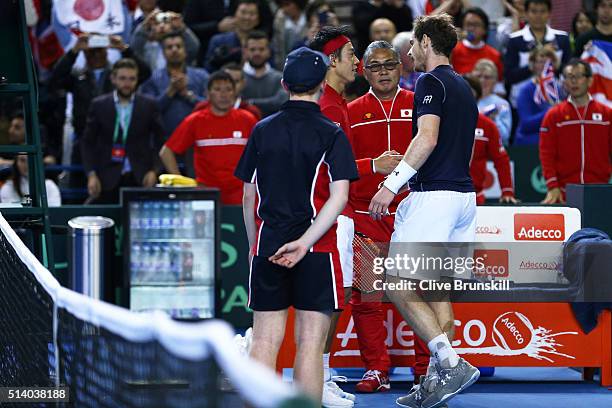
(135, 263)
(166, 220)
(165, 262)
(145, 263)
(135, 221)
(176, 221)
(187, 215)
(145, 220)
(155, 219)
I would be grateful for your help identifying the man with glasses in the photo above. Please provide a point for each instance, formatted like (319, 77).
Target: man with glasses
(381, 126)
(575, 137)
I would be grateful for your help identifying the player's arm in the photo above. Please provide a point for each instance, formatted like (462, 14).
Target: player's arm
(248, 212)
(291, 253)
(417, 153)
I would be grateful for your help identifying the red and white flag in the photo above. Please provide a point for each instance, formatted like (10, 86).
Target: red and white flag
(599, 56)
(91, 16)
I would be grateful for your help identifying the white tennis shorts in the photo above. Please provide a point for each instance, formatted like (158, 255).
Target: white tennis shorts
(344, 233)
(436, 216)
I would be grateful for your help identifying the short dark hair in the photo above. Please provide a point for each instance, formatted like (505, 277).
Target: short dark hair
(547, 3)
(575, 62)
(232, 66)
(171, 34)
(474, 84)
(17, 114)
(125, 63)
(440, 29)
(480, 13)
(219, 76)
(327, 34)
(597, 3)
(257, 35)
(256, 2)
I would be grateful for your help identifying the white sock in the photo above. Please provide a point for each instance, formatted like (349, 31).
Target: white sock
(326, 373)
(441, 349)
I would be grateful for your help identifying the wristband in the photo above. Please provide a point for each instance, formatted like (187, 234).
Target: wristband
(399, 176)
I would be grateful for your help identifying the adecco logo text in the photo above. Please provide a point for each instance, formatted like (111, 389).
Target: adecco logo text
(495, 262)
(539, 227)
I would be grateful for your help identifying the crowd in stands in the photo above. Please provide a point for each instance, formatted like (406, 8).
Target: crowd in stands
(129, 108)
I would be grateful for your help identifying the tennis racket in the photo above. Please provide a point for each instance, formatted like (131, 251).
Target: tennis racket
(365, 250)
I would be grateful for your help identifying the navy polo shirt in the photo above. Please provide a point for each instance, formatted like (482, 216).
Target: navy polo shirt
(442, 92)
(292, 156)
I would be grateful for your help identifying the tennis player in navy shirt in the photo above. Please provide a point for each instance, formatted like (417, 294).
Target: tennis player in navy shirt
(296, 170)
(441, 206)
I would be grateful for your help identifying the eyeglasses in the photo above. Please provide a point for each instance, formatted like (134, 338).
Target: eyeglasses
(389, 66)
(572, 78)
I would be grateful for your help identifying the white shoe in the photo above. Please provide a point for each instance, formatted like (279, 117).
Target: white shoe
(248, 339)
(332, 400)
(339, 391)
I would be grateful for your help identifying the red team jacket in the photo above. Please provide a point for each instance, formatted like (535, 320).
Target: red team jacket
(218, 142)
(374, 131)
(487, 146)
(575, 144)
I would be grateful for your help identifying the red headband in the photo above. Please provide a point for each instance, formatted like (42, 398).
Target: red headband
(333, 45)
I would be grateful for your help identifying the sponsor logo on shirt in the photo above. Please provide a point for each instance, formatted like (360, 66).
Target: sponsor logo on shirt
(479, 132)
(237, 134)
(598, 116)
(337, 124)
(406, 113)
(427, 99)
(369, 115)
(539, 227)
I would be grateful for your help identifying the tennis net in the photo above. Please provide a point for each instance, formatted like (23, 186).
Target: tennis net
(107, 356)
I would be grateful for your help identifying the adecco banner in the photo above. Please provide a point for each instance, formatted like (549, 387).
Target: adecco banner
(488, 335)
(517, 224)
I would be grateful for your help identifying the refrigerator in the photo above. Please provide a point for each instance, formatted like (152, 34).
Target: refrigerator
(171, 250)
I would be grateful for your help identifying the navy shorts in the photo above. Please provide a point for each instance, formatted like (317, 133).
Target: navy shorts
(315, 283)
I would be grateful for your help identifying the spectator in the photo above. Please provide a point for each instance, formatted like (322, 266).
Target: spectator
(603, 27)
(122, 136)
(454, 8)
(227, 47)
(490, 104)
(382, 29)
(235, 71)
(145, 7)
(475, 25)
(365, 12)
(218, 135)
(176, 87)
(18, 185)
(16, 136)
(86, 83)
(514, 21)
(209, 17)
(576, 137)
(318, 14)
(487, 146)
(146, 37)
(290, 26)
(536, 34)
(583, 22)
(262, 86)
(402, 44)
(531, 104)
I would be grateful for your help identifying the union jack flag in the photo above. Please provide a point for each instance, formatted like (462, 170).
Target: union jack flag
(547, 90)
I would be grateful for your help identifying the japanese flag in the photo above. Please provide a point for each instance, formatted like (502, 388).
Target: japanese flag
(91, 16)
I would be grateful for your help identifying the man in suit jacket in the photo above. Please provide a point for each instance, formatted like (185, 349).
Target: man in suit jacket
(122, 137)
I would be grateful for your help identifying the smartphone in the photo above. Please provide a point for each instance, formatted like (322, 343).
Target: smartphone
(163, 17)
(98, 41)
(322, 18)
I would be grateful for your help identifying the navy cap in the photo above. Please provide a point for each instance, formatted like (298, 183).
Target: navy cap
(304, 69)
